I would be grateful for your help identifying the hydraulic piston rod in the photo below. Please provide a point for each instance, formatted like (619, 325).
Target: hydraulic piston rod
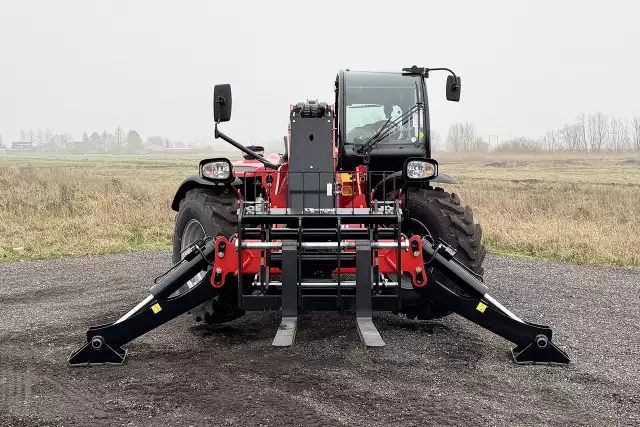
(323, 245)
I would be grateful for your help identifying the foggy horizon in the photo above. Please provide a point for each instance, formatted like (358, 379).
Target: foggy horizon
(74, 66)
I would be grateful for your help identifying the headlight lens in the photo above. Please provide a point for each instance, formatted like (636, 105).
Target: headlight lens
(419, 169)
(218, 170)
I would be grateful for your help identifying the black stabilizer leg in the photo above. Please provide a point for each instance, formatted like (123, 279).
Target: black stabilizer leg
(104, 343)
(533, 341)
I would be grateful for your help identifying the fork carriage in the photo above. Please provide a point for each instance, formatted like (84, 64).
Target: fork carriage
(311, 248)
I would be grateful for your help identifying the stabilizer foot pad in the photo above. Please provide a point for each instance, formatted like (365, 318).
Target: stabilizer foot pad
(369, 333)
(286, 332)
(534, 354)
(89, 355)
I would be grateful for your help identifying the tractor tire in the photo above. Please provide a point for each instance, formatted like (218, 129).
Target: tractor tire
(435, 212)
(202, 213)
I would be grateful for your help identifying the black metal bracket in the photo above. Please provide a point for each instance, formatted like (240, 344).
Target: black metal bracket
(104, 343)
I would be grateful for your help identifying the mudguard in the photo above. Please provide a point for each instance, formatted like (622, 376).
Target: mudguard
(442, 178)
(196, 181)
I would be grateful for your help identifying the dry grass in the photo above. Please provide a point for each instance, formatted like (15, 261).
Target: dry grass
(580, 209)
(576, 208)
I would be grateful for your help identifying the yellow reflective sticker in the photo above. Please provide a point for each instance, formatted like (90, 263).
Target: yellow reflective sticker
(421, 134)
(345, 177)
(156, 308)
(481, 307)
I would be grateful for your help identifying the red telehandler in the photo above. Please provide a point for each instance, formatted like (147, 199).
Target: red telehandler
(349, 217)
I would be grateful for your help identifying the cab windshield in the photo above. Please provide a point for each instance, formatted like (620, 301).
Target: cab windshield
(375, 99)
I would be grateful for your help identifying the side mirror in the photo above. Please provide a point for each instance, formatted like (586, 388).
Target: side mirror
(222, 103)
(454, 86)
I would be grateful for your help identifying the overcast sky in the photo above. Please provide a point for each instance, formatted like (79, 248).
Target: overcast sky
(526, 66)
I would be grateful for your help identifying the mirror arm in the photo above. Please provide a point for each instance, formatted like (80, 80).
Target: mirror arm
(424, 72)
(244, 149)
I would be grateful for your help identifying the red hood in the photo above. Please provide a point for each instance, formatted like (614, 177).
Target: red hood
(248, 165)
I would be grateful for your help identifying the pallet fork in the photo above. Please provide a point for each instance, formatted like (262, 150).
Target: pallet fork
(533, 342)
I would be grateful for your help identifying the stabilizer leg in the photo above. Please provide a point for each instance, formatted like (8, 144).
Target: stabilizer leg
(366, 329)
(533, 341)
(104, 343)
(287, 331)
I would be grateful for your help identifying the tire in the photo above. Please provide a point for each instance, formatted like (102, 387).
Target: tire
(442, 216)
(202, 213)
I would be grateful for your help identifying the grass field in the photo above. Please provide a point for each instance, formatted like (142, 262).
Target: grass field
(573, 207)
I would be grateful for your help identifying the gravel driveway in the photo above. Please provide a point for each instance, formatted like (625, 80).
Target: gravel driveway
(449, 372)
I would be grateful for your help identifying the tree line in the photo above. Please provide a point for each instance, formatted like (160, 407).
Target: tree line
(594, 132)
(116, 142)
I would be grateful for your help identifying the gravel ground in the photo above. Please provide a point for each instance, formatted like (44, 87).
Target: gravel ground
(449, 372)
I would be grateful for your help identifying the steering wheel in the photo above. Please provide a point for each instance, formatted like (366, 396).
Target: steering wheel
(362, 133)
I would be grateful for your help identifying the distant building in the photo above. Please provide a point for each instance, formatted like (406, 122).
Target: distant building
(22, 146)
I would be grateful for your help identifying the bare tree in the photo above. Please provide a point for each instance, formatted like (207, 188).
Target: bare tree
(581, 128)
(570, 136)
(619, 134)
(469, 138)
(625, 138)
(436, 141)
(598, 131)
(480, 145)
(614, 134)
(551, 141)
(23, 136)
(118, 140)
(62, 141)
(66, 141)
(461, 137)
(1, 142)
(31, 136)
(454, 137)
(635, 133)
(106, 141)
(519, 144)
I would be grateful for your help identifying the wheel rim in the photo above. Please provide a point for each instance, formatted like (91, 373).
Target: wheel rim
(192, 232)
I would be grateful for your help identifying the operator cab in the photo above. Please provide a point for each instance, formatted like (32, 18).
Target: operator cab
(387, 106)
